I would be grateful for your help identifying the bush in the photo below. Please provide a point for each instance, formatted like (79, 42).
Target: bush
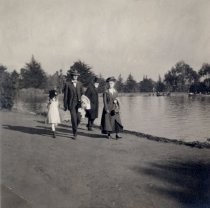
(7, 89)
(31, 95)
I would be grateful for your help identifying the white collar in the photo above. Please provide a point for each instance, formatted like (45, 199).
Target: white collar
(112, 91)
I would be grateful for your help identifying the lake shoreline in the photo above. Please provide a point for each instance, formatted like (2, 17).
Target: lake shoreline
(205, 143)
(178, 116)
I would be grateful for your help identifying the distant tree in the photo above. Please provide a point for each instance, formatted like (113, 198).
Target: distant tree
(52, 81)
(119, 84)
(198, 88)
(15, 78)
(205, 70)
(86, 75)
(180, 77)
(7, 89)
(61, 81)
(146, 85)
(204, 73)
(102, 84)
(131, 84)
(33, 76)
(160, 86)
(171, 80)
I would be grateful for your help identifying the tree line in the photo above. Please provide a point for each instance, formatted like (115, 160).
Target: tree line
(180, 78)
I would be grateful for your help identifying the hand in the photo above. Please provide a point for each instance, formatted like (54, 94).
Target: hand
(65, 109)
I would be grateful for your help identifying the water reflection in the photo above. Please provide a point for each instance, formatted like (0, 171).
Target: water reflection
(173, 117)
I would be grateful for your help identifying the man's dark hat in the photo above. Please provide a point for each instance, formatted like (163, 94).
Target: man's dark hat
(52, 94)
(111, 79)
(74, 72)
(95, 80)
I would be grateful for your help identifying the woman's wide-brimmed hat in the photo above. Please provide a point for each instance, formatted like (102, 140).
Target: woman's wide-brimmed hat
(74, 72)
(111, 79)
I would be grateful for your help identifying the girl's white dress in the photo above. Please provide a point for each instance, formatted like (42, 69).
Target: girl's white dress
(53, 115)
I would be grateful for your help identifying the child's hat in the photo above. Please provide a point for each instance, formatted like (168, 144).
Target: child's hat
(52, 93)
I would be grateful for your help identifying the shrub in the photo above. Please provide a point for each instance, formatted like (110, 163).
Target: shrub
(7, 89)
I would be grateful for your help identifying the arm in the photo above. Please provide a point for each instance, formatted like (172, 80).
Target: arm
(57, 100)
(117, 101)
(105, 102)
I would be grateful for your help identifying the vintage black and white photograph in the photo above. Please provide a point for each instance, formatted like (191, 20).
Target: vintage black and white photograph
(105, 103)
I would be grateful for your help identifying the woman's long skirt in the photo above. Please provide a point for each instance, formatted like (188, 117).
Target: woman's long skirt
(111, 123)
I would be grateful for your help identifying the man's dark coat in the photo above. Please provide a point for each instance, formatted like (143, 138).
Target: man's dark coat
(92, 94)
(72, 95)
(72, 101)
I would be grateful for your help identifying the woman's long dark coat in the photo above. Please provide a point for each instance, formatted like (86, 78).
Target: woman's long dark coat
(110, 121)
(92, 94)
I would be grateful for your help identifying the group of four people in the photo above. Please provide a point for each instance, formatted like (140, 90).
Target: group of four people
(73, 91)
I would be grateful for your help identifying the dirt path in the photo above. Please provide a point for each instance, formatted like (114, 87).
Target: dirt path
(92, 172)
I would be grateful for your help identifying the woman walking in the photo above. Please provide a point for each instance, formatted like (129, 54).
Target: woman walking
(110, 121)
(92, 94)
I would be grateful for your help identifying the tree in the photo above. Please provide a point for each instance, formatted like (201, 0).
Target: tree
(86, 75)
(102, 84)
(33, 76)
(160, 86)
(7, 89)
(205, 70)
(204, 73)
(61, 81)
(146, 85)
(198, 88)
(180, 77)
(119, 84)
(15, 78)
(131, 84)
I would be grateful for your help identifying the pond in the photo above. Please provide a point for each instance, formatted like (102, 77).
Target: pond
(174, 117)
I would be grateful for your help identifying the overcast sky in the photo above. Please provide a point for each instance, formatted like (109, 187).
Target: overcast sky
(144, 37)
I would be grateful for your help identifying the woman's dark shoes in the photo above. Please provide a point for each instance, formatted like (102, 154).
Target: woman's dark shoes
(109, 136)
(118, 137)
(90, 129)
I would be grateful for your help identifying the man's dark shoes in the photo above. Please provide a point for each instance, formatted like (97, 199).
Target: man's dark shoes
(90, 129)
(109, 136)
(118, 137)
(74, 137)
(54, 135)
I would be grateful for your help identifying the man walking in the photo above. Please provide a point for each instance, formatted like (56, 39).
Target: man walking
(73, 91)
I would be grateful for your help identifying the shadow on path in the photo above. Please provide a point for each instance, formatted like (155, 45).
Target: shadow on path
(188, 182)
(46, 131)
(28, 130)
(90, 134)
(43, 131)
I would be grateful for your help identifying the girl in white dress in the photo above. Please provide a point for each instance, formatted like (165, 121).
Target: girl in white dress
(53, 116)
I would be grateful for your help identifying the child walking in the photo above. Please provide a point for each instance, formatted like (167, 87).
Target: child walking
(53, 116)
